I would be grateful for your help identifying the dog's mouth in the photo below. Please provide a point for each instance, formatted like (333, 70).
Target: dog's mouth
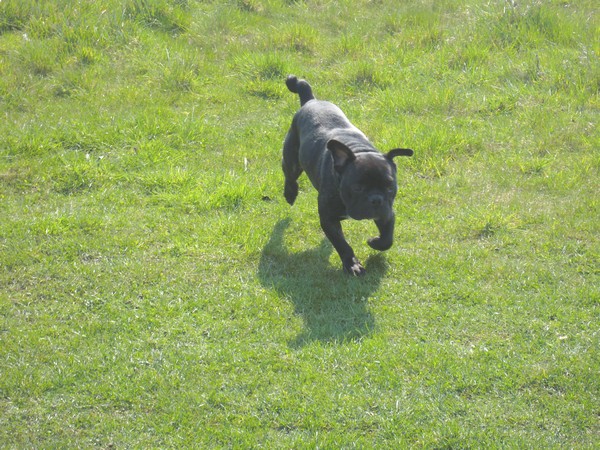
(372, 205)
(369, 213)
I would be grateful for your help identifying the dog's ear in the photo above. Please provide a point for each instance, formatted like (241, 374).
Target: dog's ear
(342, 155)
(398, 152)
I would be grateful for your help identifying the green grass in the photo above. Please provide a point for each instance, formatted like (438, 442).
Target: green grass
(157, 291)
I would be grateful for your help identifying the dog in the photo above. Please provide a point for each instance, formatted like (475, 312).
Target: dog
(353, 179)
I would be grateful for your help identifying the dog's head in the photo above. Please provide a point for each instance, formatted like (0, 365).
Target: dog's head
(367, 180)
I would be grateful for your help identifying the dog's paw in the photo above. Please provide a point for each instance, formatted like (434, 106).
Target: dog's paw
(379, 244)
(290, 192)
(354, 268)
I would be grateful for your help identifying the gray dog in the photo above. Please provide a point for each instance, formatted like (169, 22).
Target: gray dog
(352, 177)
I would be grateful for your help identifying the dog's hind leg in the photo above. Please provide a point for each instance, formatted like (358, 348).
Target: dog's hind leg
(291, 166)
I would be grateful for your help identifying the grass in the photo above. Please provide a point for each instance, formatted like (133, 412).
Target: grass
(157, 291)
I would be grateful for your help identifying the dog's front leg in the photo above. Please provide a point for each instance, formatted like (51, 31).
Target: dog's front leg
(333, 231)
(386, 234)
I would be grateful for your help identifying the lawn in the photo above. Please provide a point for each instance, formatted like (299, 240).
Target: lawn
(156, 290)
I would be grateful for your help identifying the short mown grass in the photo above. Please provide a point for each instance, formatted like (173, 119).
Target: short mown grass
(157, 291)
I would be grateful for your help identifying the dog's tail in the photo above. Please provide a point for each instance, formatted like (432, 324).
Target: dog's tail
(300, 87)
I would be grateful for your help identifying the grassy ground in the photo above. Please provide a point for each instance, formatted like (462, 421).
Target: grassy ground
(157, 291)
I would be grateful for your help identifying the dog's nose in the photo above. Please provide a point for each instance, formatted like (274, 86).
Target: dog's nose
(376, 200)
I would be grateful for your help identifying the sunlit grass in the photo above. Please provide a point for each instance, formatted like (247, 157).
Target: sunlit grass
(157, 291)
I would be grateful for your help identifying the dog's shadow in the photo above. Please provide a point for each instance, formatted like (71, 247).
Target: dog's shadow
(333, 305)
